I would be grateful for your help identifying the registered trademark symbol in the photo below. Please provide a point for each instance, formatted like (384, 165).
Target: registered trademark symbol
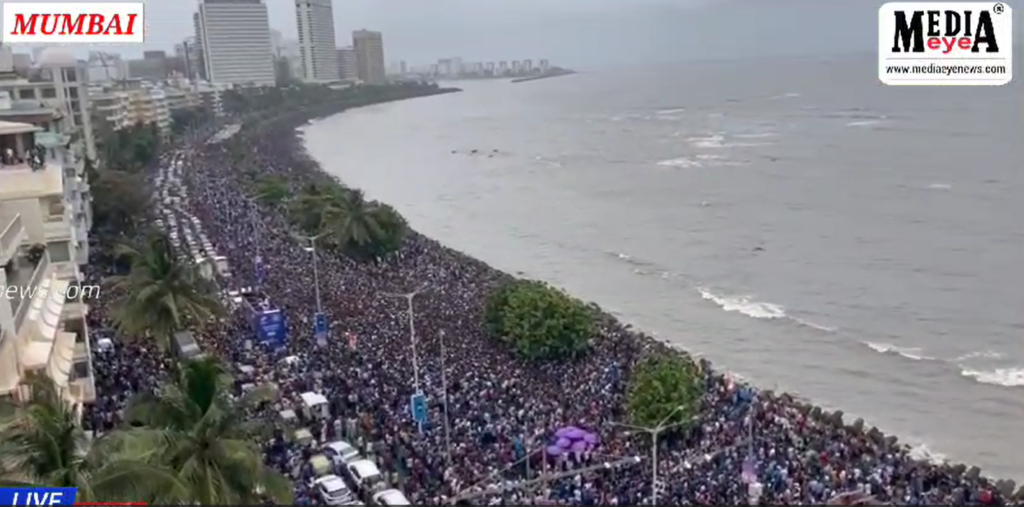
(999, 8)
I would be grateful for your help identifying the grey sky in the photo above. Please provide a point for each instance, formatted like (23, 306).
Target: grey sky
(584, 33)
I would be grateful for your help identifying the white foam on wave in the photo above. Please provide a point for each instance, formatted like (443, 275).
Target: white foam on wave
(672, 111)
(681, 162)
(712, 141)
(551, 163)
(759, 135)
(745, 305)
(791, 95)
(923, 453)
(863, 123)
(940, 186)
(912, 353)
(1007, 377)
(981, 354)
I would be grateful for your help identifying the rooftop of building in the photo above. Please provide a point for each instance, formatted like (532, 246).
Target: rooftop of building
(11, 127)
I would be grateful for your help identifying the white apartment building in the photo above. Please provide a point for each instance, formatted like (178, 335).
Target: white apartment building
(235, 40)
(315, 23)
(106, 67)
(348, 64)
(43, 227)
(6, 58)
(369, 47)
(61, 83)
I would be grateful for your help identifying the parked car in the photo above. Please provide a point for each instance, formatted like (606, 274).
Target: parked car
(364, 474)
(341, 452)
(333, 490)
(391, 497)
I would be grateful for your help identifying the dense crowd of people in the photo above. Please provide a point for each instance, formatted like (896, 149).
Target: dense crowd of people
(745, 447)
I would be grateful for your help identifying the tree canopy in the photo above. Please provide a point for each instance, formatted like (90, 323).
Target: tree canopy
(664, 389)
(539, 321)
(41, 444)
(206, 437)
(162, 293)
(360, 228)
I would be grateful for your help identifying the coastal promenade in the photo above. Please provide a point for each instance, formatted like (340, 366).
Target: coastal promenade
(787, 432)
(490, 417)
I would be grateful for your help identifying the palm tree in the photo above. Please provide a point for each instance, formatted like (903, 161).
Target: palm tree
(353, 221)
(161, 294)
(208, 438)
(41, 444)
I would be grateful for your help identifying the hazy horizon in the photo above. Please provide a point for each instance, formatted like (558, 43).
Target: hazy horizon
(584, 34)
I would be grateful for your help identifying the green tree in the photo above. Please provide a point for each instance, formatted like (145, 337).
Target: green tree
(208, 438)
(272, 191)
(162, 293)
(664, 389)
(42, 444)
(120, 200)
(539, 321)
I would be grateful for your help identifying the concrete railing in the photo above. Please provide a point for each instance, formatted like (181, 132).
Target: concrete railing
(11, 237)
(42, 269)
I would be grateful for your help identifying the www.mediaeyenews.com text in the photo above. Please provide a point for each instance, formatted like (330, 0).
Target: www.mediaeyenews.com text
(71, 292)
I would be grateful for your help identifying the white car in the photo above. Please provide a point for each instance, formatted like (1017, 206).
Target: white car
(341, 452)
(333, 490)
(364, 474)
(391, 497)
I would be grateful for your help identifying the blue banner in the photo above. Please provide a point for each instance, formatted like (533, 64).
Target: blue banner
(418, 408)
(38, 496)
(320, 328)
(271, 328)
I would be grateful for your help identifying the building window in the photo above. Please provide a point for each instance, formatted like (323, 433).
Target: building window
(73, 92)
(49, 93)
(70, 75)
(60, 251)
(27, 94)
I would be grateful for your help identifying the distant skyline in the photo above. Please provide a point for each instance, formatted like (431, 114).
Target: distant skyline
(578, 33)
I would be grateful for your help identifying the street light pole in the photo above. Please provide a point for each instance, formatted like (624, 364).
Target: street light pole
(444, 387)
(316, 274)
(654, 432)
(412, 332)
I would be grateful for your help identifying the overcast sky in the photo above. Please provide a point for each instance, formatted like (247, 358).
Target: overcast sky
(580, 33)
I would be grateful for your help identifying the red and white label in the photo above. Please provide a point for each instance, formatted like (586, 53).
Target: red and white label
(73, 23)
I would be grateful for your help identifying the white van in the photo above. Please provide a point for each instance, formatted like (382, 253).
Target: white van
(364, 474)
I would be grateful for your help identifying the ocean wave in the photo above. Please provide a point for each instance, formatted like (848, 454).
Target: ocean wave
(672, 111)
(759, 135)
(712, 141)
(745, 305)
(923, 453)
(1007, 377)
(940, 186)
(791, 95)
(680, 162)
(863, 123)
(981, 354)
(912, 353)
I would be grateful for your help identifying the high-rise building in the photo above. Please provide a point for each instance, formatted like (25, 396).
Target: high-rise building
(315, 23)
(235, 37)
(348, 64)
(106, 67)
(199, 59)
(369, 47)
(6, 59)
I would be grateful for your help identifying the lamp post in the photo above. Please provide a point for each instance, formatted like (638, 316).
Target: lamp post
(412, 331)
(654, 432)
(444, 387)
(316, 274)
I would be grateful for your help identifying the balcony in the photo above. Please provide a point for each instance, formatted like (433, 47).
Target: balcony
(11, 237)
(24, 274)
